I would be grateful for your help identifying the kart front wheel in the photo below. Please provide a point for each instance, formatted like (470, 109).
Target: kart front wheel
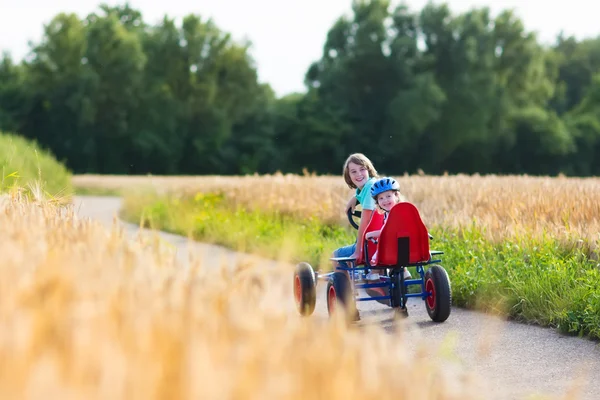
(305, 289)
(439, 302)
(340, 296)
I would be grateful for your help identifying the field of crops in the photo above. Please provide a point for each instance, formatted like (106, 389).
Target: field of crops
(88, 314)
(502, 206)
(522, 246)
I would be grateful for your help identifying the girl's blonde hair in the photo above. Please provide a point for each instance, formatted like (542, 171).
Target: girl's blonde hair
(363, 161)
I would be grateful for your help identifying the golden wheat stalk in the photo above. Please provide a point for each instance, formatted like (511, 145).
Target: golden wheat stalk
(87, 313)
(501, 206)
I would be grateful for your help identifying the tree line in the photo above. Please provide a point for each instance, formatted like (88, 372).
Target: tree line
(413, 89)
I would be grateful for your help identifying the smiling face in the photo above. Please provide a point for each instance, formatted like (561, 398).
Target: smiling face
(358, 174)
(352, 170)
(388, 199)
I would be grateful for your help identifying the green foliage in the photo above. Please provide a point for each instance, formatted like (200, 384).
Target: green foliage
(529, 279)
(475, 92)
(209, 217)
(25, 165)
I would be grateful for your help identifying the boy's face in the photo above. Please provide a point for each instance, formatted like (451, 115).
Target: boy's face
(358, 174)
(387, 199)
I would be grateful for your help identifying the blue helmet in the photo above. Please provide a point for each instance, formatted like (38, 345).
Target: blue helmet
(383, 185)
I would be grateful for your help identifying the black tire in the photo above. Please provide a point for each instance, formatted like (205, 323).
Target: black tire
(305, 289)
(439, 303)
(339, 293)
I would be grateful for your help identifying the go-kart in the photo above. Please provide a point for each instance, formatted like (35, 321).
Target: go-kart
(403, 242)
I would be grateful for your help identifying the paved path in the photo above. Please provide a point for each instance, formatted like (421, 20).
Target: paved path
(515, 360)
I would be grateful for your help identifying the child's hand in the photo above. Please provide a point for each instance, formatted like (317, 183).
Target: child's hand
(351, 204)
(372, 235)
(356, 255)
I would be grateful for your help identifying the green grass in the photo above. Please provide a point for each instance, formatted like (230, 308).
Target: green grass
(529, 279)
(23, 164)
(207, 217)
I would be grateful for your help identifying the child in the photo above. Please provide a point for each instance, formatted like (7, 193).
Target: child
(386, 192)
(360, 174)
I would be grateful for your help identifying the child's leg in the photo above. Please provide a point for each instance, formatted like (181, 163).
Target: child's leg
(345, 251)
(372, 276)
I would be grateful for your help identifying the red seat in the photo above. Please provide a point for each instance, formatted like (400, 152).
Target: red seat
(403, 221)
(374, 225)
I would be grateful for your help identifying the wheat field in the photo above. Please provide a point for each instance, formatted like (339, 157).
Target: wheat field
(88, 313)
(502, 206)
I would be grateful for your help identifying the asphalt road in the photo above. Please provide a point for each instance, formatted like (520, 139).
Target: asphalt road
(515, 360)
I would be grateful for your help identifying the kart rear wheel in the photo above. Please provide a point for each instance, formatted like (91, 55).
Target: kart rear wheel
(340, 296)
(439, 302)
(305, 289)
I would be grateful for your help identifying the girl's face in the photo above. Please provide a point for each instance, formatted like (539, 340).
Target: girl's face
(388, 199)
(358, 174)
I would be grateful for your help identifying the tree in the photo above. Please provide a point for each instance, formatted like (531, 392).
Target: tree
(59, 86)
(12, 94)
(424, 89)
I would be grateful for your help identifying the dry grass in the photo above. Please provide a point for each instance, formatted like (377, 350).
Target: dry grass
(88, 314)
(502, 205)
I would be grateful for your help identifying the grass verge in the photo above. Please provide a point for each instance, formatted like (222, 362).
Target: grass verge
(25, 166)
(528, 278)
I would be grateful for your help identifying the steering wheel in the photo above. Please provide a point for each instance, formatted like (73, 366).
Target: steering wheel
(352, 214)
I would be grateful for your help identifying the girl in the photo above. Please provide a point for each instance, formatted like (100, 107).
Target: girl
(359, 174)
(386, 192)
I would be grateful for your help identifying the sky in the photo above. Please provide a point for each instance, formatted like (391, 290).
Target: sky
(287, 35)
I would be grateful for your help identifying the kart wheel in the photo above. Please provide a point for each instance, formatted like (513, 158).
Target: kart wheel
(305, 289)
(439, 303)
(340, 296)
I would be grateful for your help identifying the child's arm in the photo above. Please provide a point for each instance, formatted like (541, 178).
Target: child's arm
(360, 240)
(351, 204)
(373, 234)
